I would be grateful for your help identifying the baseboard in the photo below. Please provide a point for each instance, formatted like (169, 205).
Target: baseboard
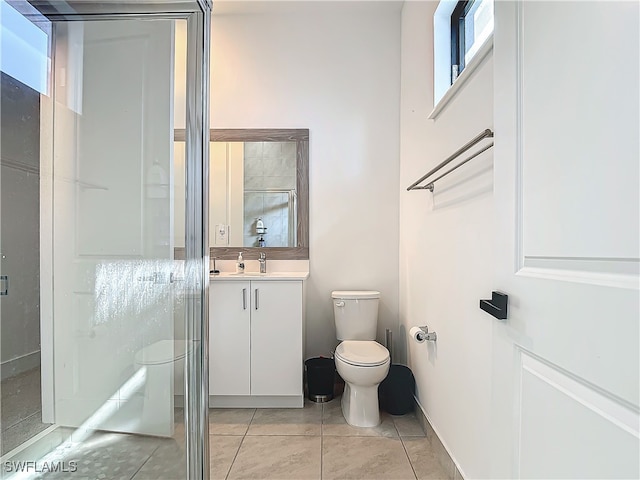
(256, 401)
(439, 447)
(247, 401)
(18, 365)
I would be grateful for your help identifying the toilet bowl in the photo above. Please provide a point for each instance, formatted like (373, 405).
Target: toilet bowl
(159, 360)
(362, 364)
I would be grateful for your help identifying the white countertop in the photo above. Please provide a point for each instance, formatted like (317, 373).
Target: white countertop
(260, 276)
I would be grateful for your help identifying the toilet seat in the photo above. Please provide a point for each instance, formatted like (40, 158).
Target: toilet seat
(362, 353)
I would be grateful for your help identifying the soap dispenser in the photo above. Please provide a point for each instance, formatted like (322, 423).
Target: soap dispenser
(240, 263)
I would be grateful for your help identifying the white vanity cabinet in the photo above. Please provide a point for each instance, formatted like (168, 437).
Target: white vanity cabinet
(255, 343)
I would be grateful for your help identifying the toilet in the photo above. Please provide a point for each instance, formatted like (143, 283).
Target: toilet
(162, 361)
(361, 361)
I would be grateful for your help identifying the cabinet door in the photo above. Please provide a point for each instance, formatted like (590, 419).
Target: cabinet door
(229, 338)
(276, 338)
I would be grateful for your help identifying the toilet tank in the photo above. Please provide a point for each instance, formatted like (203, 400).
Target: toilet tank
(356, 314)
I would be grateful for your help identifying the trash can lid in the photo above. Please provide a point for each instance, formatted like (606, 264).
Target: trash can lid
(362, 353)
(320, 362)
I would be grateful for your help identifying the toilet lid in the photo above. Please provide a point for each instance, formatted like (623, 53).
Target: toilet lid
(355, 294)
(164, 351)
(361, 353)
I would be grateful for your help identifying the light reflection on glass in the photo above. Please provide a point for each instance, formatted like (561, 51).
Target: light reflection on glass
(126, 289)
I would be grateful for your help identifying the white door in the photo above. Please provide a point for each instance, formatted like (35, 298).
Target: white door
(566, 360)
(111, 218)
(230, 338)
(276, 338)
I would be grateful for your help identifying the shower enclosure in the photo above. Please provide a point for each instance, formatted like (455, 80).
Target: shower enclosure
(92, 93)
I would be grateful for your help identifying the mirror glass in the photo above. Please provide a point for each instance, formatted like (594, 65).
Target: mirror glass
(262, 213)
(258, 191)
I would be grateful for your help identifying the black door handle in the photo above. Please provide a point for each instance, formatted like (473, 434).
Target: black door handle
(497, 306)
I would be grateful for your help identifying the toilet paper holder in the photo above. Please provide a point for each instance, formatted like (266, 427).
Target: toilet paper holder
(426, 334)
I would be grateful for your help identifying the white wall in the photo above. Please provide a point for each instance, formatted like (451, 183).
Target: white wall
(446, 248)
(332, 68)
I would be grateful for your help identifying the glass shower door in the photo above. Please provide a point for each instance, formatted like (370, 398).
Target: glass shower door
(113, 258)
(122, 309)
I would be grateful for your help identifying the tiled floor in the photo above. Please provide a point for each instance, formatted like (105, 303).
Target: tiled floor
(20, 409)
(314, 442)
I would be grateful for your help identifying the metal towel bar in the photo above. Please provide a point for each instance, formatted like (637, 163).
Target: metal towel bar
(485, 134)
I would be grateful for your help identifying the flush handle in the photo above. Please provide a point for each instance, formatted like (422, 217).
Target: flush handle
(339, 304)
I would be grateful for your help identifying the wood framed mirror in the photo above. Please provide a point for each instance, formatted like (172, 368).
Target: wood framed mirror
(259, 193)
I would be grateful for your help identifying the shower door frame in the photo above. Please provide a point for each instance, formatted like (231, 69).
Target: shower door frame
(197, 13)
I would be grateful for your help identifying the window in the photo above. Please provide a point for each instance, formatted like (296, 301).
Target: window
(462, 37)
(24, 44)
(471, 25)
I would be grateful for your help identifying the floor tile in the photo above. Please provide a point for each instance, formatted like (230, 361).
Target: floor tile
(408, 425)
(230, 421)
(352, 458)
(20, 415)
(441, 454)
(108, 456)
(287, 421)
(20, 397)
(334, 424)
(168, 461)
(424, 460)
(457, 475)
(224, 449)
(424, 423)
(278, 458)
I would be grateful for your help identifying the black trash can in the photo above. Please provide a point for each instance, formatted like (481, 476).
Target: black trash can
(395, 393)
(320, 378)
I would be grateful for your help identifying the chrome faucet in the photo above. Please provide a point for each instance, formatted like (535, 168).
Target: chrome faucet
(214, 270)
(263, 262)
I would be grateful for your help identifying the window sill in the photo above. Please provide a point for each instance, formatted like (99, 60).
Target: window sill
(453, 90)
